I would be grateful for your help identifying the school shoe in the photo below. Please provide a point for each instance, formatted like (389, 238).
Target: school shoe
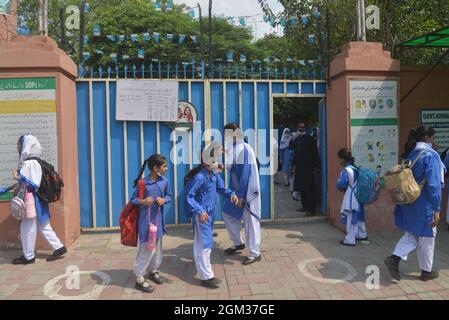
(249, 260)
(361, 239)
(210, 283)
(144, 287)
(234, 249)
(23, 260)
(346, 244)
(155, 277)
(392, 263)
(426, 276)
(57, 254)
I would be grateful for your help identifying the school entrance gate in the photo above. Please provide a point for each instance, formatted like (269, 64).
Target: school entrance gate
(111, 152)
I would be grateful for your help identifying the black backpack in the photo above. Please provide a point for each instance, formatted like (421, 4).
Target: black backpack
(51, 183)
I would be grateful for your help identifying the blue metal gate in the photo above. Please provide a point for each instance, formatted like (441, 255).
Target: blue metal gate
(111, 152)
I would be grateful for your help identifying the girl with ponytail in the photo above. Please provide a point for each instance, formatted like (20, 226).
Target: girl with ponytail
(151, 216)
(352, 211)
(419, 219)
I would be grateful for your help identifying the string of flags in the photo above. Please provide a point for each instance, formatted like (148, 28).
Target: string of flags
(146, 37)
(230, 57)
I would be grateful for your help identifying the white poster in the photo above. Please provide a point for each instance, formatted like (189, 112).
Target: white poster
(27, 106)
(374, 124)
(147, 100)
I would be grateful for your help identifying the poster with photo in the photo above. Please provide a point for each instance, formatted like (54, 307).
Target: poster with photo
(374, 124)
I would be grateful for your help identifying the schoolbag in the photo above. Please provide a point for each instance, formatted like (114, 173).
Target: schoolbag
(401, 184)
(129, 217)
(17, 206)
(51, 183)
(368, 185)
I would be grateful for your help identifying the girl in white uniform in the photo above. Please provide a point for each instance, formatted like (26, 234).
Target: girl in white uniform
(30, 175)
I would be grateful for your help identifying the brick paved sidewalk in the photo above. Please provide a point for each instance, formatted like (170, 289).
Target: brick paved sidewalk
(301, 260)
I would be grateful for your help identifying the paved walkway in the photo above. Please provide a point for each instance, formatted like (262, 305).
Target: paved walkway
(301, 260)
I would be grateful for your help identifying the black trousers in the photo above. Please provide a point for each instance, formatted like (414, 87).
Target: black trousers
(308, 199)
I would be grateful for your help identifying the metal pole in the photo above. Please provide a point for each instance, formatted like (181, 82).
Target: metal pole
(210, 38)
(363, 19)
(61, 18)
(80, 54)
(201, 32)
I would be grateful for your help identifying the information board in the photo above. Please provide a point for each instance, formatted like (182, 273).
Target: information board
(147, 100)
(439, 120)
(374, 124)
(27, 106)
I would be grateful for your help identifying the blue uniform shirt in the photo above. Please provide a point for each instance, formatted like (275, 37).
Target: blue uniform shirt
(417, 217)
(238, 182)
(153, 188)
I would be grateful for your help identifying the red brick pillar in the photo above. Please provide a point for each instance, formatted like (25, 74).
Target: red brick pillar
(358, 61)
(39, 57)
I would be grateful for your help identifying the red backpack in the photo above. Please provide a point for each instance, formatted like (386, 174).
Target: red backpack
(129, 218)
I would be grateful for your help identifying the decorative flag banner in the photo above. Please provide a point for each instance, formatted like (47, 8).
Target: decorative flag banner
(317, 14)
(266, 18)
(193, 38)
(155, 60)
(169, 6)
(219, 60)
(169, 37)
(85, 40)
(230, 56)
(86, 7)
(242, 58)
(304, 19)
(114, 57)
(257, 61)
(121, 38)
(293, 21)
(86, 55)
(283, 22)
(276, 60)
(156, 37)
(267, 59)
(146, 36)
(133, 37)
(157, 5)
(311, 38)
(125, 57)
(97, 30)
(99, 51)
(181, 38)
(192, 13)
(242, 21)
(302, 62)
(312, 62)
(289, 59)
(141, 53)
(111, 37)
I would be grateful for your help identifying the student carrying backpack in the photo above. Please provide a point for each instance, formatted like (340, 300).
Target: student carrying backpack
(51, 183)
(352, 210)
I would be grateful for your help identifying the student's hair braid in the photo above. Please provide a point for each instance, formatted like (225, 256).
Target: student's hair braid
(140, 173)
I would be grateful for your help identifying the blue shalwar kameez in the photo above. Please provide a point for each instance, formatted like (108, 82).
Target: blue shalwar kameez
(150, 260)
(416, 218)
(201, 196)
(352, 212)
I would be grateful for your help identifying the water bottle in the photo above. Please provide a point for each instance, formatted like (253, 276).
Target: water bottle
(30, 208)
(152, 232)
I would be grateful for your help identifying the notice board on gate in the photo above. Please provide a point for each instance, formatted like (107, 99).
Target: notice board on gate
(147, 100)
